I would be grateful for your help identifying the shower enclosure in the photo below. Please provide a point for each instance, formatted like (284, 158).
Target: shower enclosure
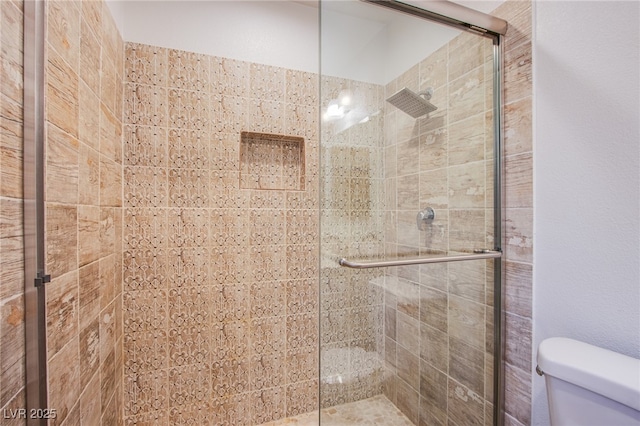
(238, 233)
(410, 213)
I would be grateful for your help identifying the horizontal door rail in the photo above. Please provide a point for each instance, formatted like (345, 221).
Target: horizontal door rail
(484, 254)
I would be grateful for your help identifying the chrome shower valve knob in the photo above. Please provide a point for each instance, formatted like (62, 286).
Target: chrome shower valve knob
(424, 218)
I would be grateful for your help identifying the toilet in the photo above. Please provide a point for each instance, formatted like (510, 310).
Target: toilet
(588, 385)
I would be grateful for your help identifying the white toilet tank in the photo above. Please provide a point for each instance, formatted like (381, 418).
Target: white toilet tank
(588, 385)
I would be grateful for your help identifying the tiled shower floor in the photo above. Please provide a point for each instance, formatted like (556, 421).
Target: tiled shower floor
(378, 411)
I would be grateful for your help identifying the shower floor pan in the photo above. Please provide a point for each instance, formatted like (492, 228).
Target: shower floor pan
(374, 411)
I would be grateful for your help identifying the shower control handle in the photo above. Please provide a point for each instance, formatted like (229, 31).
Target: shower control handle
(424, 218)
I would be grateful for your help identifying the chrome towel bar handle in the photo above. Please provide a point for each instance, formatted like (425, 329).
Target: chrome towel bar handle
(476, 255)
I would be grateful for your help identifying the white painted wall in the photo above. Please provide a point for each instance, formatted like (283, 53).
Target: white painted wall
(279, 33)
(360, 41)
(586, 177)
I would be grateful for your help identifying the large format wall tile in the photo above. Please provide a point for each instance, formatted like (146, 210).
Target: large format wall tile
(12, 312)
(454, 151)
(83, 201)
(518, 203)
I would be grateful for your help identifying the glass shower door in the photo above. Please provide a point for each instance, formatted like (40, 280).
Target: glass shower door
(407, 174)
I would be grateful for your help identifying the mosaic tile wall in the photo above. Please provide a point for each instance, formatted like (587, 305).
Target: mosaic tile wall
(220, 283)
(12, 351)
(84, 68)
(438, 318)
(351, 226)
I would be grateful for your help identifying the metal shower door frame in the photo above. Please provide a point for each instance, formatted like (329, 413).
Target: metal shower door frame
(34, 213)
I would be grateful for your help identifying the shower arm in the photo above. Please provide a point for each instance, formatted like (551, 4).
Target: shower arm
(426, 93)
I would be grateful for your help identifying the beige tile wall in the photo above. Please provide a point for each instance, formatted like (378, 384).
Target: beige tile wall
(12, 366)
(220, 282)
(438, 318)
(518, 217)
(84, 68)
(83, 309)
(271, 162)
(462, 305)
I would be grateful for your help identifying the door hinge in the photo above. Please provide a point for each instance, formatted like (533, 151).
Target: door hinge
(42, 279)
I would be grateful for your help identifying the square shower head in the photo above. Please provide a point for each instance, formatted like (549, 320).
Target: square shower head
(414, 104)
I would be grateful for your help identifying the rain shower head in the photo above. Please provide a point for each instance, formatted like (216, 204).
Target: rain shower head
(414, 104)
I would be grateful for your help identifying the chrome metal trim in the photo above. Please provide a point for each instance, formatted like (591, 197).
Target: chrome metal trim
(498, 272)
(33, 186)
(449, 13)
(490, 254)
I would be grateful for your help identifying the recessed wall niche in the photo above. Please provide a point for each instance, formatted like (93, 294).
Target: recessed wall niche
(269, 161)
